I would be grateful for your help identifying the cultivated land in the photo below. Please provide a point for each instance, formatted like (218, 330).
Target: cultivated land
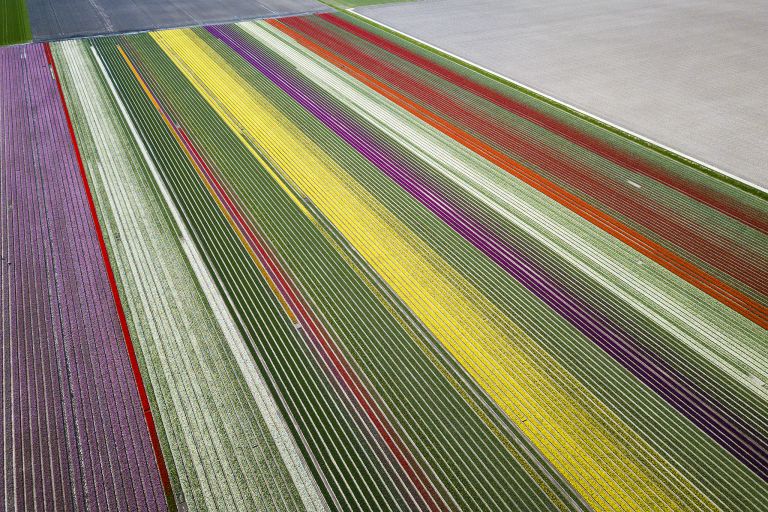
(14, 22)
(688, 74)
(61, 19)
(74, 435)
(359, 275)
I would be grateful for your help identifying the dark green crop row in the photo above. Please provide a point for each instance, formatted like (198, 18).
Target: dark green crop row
(14, 22)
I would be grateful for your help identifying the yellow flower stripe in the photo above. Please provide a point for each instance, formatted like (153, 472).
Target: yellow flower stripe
(602, 458)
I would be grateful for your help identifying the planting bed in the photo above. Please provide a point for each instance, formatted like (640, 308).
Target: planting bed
(359, 275)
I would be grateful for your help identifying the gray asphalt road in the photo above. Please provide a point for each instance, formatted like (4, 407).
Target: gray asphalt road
(59, 19)
(689, 74)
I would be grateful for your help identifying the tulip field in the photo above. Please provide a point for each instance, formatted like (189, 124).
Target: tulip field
(307, 263)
